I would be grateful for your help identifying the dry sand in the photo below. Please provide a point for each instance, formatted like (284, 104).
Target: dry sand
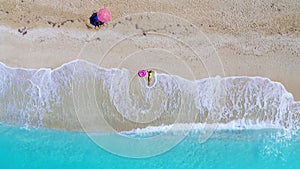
(251, 38)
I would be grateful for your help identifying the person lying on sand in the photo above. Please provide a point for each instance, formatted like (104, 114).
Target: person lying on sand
(150, 76)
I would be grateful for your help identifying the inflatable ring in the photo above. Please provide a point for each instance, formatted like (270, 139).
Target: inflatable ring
(142, 73)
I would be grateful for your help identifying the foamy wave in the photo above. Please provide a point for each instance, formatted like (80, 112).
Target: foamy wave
(79, 89)
(188, 127)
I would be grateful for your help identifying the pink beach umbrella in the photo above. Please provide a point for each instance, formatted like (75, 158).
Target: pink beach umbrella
(103, 15)
(142, 73)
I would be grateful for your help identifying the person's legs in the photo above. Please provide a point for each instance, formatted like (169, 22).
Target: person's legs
(100, 23)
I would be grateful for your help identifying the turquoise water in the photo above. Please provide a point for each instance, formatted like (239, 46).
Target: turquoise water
(226, 149)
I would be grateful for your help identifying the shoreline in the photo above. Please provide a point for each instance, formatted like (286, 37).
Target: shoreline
(190, 39)
(60, 100)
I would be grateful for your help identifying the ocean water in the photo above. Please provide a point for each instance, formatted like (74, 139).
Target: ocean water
(216, 122)
(226, 149)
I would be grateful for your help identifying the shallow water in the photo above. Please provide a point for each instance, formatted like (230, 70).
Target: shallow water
(234, 149)
(94, 95)
(239, 111)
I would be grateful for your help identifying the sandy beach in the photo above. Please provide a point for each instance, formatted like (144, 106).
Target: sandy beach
(252, 38)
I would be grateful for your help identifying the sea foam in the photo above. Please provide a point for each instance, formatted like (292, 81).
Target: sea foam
(80, 95)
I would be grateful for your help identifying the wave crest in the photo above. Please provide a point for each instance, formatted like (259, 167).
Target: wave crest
(48, 98)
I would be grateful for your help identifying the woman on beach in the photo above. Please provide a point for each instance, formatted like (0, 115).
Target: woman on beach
(150, 76)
